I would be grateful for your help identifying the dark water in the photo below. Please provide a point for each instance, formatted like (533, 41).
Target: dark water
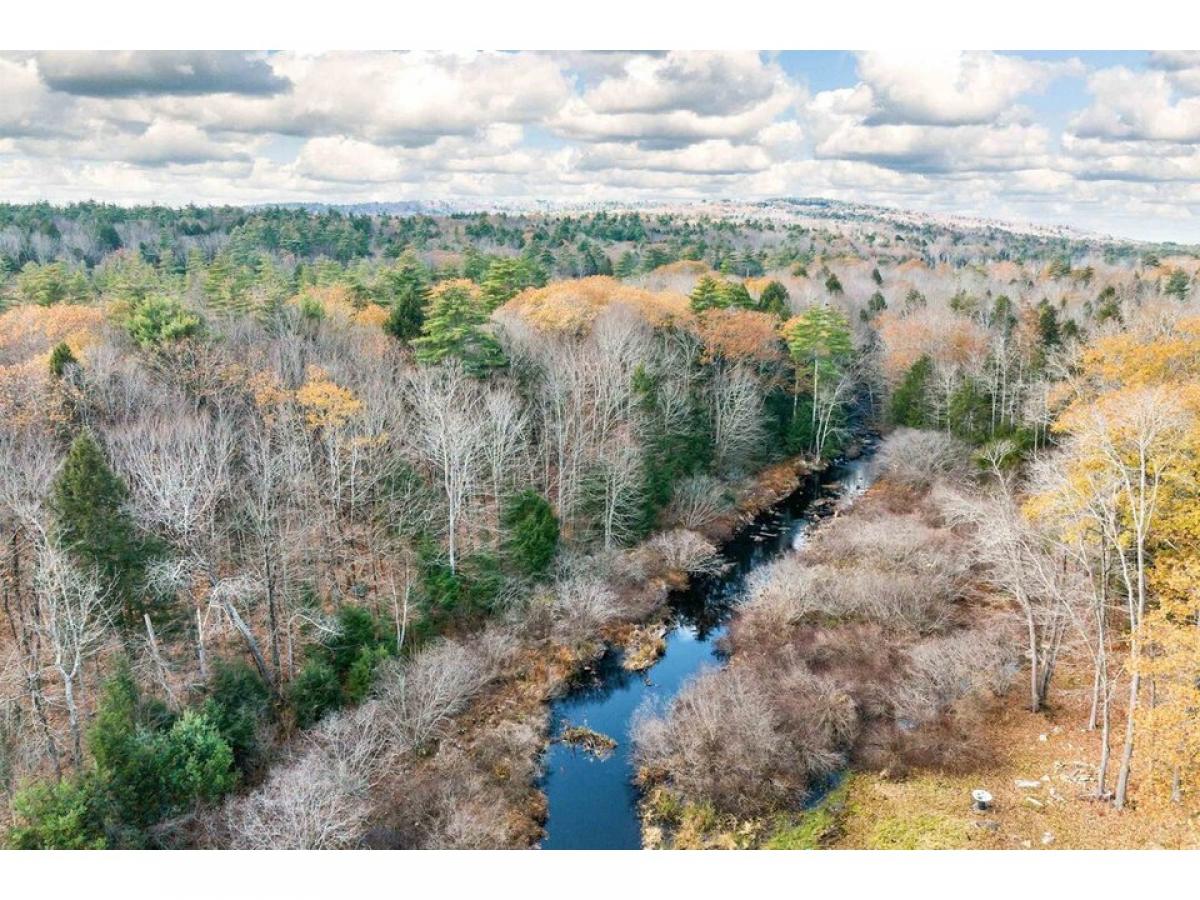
(593, 802)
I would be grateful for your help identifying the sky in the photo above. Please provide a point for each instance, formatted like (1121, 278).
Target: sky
(1103, 141)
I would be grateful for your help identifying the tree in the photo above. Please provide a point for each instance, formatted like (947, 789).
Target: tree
(238, 703)
(448, 437)
(405, 292)
(706, 294)
(58, 815)
(833, 284)
(532, 532)
(74, 620)
(60, 358)
(1178, 285)
(160, 320)
(88, 502)
(819, 342)
(455, 327)
(315, 692)
(910, 401)
(774, 300)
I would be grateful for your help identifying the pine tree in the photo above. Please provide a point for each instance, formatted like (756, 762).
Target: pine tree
(88, 503)
(774, 300)
(60, 358)
(532, 532)
(406, 291)
(910, 403)
(454, 326)
(734, 294)
(706, 294)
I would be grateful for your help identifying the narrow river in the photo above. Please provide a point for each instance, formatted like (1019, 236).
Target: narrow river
(592, 801)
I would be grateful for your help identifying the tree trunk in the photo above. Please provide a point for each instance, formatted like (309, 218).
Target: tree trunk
(1127, 749)
(72, 718)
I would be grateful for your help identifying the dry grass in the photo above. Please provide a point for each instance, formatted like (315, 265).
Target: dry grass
(933, 809)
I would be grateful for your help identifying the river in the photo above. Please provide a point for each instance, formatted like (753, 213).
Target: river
(592, 802)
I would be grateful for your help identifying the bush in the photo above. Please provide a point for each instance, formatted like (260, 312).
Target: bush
(197, 764)
(419, 696)
(918, 458)
(148, 769)
(531, 538)
(474, 589)
(719, 742)
(315, 692)
(357, 630)
(58, 816)
(238, 704)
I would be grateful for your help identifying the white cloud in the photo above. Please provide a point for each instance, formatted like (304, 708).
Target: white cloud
(681, 98)
(1139, 106)
(951, 88)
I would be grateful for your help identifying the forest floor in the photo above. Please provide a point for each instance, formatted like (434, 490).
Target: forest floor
(931, 810)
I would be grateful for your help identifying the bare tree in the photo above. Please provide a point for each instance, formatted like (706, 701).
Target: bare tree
(75, 622)
(180, 474)
(418, 696)
(735, 402)
(449, 437)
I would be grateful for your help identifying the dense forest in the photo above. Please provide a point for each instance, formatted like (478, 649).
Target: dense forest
(306, 515)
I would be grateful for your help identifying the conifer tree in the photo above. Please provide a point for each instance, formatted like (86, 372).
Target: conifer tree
(454, 326)
(88, 503)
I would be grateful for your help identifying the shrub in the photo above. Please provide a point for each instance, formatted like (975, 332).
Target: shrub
(918, 458)
(64, 815)
(238, 704)
(719, 742)
(582, 605)
(417, 697)
(196, 762)
(531, 538)
(151, 766)
(60, 358)
(315, 692)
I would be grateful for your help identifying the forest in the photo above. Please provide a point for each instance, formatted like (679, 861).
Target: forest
(308, 515)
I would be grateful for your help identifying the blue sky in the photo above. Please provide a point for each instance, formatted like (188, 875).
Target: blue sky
(1105, 141)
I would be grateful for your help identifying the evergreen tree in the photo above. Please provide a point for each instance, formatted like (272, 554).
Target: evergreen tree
(626, 265)
(1177, 285)
(454, 326)
(158, 320)
(531, 532)
(910, 402)
(774, 300)
(734, 294)
(60, 358)
(1048, 329)
(88, 503)
(706, 294)
(406, 292)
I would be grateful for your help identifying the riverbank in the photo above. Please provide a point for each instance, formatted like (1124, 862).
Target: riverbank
(868, 649)
(938, 732)
(502, 736)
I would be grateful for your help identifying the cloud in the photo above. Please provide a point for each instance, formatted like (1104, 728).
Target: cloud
(951, 88)
(937, 132)
(681, 98)
(124, 73)
(408, 99)
(1137, 106)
